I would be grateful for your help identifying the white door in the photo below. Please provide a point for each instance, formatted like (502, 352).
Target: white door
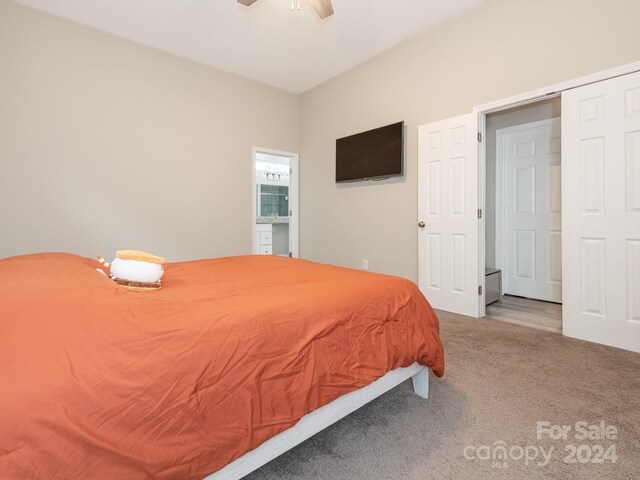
(448, 209)
(601, 212)
(529, 155)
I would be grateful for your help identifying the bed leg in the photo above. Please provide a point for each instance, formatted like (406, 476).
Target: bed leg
(421, 382)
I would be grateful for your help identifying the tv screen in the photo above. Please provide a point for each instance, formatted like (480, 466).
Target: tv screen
(375, 154)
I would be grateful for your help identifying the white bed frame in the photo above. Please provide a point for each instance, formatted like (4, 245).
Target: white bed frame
(321, 418)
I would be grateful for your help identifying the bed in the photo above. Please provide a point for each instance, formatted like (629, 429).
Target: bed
(232, 362)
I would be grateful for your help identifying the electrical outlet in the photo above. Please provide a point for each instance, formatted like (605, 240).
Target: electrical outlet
(365, 264)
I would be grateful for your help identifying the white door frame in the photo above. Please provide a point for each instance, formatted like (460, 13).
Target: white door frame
(501, 133)
(515, 101)
(294, 183)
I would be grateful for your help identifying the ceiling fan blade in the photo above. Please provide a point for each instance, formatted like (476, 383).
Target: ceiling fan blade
(323, 8)
(248, 3)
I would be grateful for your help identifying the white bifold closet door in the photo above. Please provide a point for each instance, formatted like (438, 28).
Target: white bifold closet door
(447, 210)
(601, 212)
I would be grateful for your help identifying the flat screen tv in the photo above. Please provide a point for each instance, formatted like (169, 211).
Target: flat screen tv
(371, 155)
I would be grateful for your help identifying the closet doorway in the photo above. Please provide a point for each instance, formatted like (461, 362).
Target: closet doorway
(599, 209)
(275, 203)
(523, 246)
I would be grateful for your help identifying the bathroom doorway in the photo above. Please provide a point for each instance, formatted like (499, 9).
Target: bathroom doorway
(275, 203)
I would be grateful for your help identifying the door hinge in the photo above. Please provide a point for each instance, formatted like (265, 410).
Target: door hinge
(290, 213)
(479, 137)
(479, 289)
(290, 170)
(479, 213)
(290, 254)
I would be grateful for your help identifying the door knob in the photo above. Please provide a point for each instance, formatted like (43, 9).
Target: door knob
(421, 224)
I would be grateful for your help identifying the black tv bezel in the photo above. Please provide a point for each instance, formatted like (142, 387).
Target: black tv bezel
(377, 177)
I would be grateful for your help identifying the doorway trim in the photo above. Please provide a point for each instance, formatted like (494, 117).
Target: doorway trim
(532, 96)
(294, 182)
(501, 133)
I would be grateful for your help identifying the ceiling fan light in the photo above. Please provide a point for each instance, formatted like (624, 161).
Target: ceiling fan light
(323, 8)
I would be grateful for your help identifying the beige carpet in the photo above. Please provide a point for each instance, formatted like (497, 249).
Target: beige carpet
(501, 379)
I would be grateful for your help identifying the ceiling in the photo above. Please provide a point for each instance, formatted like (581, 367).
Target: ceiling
(267, 42)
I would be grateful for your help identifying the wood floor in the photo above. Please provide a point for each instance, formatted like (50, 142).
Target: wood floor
(527, 312)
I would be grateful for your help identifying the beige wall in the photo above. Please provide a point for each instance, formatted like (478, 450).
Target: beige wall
(106, 144)
(502, 48)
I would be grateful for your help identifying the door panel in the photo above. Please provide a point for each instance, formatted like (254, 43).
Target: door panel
(530, 155)
(633, 279)
(447, 203)
(601, 214)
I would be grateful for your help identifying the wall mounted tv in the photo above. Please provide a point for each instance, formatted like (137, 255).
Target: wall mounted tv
(373, 155)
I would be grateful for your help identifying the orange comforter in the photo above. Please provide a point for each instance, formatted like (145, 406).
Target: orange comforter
(100, 382)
